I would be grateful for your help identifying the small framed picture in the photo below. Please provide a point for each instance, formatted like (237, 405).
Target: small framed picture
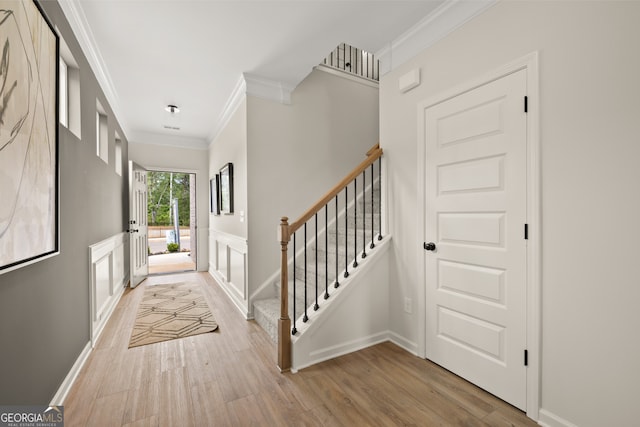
(226, 189)
(214, 191)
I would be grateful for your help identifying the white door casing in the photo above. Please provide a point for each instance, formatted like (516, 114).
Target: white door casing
(138, 241)
(475, 183)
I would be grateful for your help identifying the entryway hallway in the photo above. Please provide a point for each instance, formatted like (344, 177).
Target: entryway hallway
(161, 261)
(171, 262)
(229, 378)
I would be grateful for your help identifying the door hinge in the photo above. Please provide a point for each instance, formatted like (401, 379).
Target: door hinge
(526, 358)
(526, 231)
(526, 104)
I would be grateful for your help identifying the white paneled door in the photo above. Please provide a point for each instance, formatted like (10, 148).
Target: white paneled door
(475, 250)
(138, 244)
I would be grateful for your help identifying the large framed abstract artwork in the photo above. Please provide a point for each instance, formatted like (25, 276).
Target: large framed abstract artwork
(29, 223)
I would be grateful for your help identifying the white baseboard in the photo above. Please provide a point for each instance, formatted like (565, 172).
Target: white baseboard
(549, 419)
(67, 383)
(329, 353)
(403, 343)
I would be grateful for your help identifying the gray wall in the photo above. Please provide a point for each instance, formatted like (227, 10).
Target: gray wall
(589, 130)
(44, 307)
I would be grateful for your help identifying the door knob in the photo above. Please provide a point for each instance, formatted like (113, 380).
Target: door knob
(429, 246)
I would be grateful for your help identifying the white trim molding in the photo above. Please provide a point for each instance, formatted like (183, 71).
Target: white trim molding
(67, 383)
(346, 75)
(233, 102)
(438, 24)
(403, 343)
(549, 419)
(72, 10)
(271, 90)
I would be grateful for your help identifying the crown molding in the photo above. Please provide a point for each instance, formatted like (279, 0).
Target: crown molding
(446, 18)
(151, 138)
(251, 84)
(233, 102)
(271, 90)
(72, 10)
(268, 89)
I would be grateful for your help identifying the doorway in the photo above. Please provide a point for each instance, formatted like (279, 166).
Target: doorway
(171, 215)
(478, 151)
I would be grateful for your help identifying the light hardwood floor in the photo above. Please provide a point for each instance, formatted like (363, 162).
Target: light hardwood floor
(229, 378)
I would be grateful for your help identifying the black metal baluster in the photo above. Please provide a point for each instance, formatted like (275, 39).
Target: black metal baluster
(346, 232)
(380, 197)
(355, 222)
(367, 56)
(316, 306)
(357, 71)
(294, 330)
(306, 304)
(373, 245)
(337, 284)
(364, 214)
(326, 251)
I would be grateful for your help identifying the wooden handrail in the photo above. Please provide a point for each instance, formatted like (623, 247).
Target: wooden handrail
(372, 155)
(372, 149)
(285, 231)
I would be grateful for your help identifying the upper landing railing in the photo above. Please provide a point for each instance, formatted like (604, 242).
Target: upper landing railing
(354, 61)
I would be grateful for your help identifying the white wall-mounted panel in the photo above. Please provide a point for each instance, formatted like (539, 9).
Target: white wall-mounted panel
(222, 262)
(102, 274)
(228, 265)
(237, 265)
(107, 281)
(409, 80)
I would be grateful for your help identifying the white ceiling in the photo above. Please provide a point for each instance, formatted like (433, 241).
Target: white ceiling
(193, 53)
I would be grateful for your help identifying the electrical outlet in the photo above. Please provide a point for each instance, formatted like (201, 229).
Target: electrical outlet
(407, 306)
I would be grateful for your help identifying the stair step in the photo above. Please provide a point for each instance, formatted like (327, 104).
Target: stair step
(266, 313)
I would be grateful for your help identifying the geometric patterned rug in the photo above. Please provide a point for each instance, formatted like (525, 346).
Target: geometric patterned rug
(171, 311)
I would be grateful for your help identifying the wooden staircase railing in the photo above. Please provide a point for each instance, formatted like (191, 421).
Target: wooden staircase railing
(286, 230)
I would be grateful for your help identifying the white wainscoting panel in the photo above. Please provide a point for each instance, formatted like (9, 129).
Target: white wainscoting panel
(228, 265)
(107, 281)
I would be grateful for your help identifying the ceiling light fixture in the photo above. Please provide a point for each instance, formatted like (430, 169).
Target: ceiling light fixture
(173, 109)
